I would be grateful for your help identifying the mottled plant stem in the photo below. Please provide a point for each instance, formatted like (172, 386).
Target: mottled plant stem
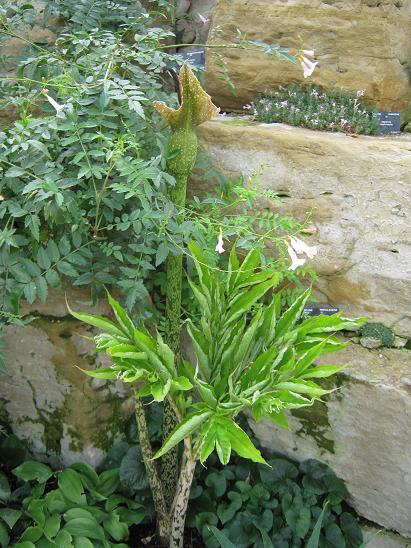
(163, 516)
(180, 503)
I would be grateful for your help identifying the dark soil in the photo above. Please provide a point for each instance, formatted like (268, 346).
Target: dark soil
(144, 535)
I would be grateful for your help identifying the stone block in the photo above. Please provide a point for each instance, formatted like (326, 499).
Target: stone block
(362, 431)
(50, 403)
(358, 193)
(360, 45)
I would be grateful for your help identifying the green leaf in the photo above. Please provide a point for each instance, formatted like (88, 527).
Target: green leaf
(32, 534)
(182, 383)
(69, 482)
(52, 526)
(89, 476)
(321, 371)
(187, 426)
(223, 444)
(33, 470)
(4, 487)
(243, 303)
(4, 536)
(102, 373)
(292, 314)
(240, 442)
(86, 527)
(115, 528)
(221, 537)
(123, 320)
(97, 321)
(314, 540)
(66, 268)
(82, 542)
(132, 470)
(10, 516)
(64, 540)
(334, 536)
(162, 253)
(108, 482)
(302, 387)
(43, 259)
(30, 292)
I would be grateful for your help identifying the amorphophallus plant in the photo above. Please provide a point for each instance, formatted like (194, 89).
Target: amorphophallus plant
(196, 108)
(249, 356)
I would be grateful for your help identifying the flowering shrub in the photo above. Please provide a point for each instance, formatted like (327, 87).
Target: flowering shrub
(316, 109)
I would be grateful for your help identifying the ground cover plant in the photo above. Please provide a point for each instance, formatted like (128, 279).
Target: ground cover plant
(314, 108)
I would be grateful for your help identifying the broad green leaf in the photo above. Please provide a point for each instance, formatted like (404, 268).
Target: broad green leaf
(221, 537)
(115, 528)
(108, 482)
(69, 482)
(82, 542)
(4, 536)
(89, 476)
(76, 513)
(185, 428)
(64, 540)
(86, 527)
(32, 534)
(33, 470)
(52, 526)
(10, 516)
(4, 487)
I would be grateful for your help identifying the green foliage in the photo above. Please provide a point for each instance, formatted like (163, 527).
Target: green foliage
(265, 364)
(314, 108)
(378, 331)
(287, 505)
(84, 191)
(73, 507)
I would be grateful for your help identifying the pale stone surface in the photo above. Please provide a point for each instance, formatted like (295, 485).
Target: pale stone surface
(360, 44)
(64, 417)
(363, 432)
(359, 192)
(376, 538)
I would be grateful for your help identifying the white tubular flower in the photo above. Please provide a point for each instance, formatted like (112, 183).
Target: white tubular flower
(295, 261)
(53, 102)
(219, 247)
(302, 248)
(307, 63)
(203, 19)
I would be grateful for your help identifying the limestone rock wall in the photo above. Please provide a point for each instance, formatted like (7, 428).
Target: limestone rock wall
(359, 193)
(363, 432)
(64, 415)
(360, 45)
